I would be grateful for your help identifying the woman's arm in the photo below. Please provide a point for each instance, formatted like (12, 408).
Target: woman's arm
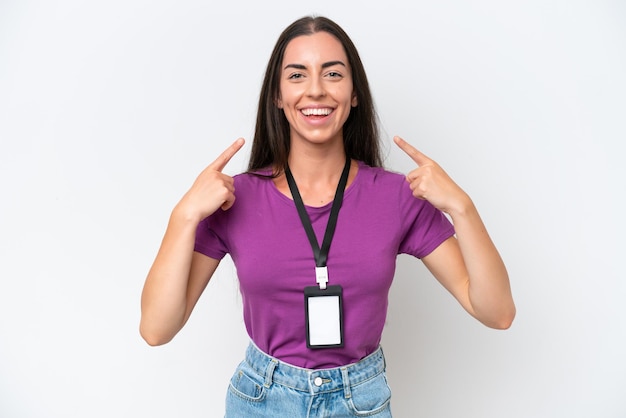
(469, 266)
(179, 275)
(174, 284)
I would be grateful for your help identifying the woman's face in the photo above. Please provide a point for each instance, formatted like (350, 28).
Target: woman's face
(316, 90)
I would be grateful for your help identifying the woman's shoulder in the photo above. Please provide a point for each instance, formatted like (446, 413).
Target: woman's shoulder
(380, 175)
(388, 185)
(254, 178)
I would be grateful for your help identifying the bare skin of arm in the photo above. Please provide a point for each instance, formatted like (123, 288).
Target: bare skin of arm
(179, 275)
(468, 265)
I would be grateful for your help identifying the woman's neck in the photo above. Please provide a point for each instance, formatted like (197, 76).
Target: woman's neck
(316, 174)
(317, 165)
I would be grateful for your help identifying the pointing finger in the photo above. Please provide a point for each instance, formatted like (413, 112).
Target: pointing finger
(411, 151)
(221, 161)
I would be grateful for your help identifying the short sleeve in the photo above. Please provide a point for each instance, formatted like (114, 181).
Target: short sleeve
(209, 236)
(425, 227)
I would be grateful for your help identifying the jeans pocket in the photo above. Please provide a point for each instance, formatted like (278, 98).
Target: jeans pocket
(247, 385)
(370, 397)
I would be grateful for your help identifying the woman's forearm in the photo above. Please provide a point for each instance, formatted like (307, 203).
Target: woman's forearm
(164, 297)
(489, 288)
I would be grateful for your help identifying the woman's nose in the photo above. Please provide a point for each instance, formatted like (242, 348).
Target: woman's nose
(316, 88)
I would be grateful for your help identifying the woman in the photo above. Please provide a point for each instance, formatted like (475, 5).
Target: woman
(315, 311)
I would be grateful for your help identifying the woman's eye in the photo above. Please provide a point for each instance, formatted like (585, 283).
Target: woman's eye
(295, 76)
(334, 74)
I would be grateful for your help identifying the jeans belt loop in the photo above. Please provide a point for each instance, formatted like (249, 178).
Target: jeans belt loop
(346, 383)
(269, 372)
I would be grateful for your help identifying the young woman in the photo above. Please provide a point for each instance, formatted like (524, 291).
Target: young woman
(314, 228)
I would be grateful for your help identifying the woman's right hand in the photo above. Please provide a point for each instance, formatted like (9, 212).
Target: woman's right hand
(212, 189)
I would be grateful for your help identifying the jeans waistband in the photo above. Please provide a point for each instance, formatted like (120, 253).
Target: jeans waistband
(315, 380)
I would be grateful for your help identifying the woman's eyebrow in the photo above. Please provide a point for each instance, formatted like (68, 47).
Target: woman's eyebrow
(333, 63)
(296, 66)
(324, 65)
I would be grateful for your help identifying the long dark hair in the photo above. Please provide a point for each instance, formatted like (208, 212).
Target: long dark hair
(270, 147)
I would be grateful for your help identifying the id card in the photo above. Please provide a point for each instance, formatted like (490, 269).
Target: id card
(324, 316)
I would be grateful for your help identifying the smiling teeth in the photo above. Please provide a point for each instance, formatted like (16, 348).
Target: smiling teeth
(316, 112)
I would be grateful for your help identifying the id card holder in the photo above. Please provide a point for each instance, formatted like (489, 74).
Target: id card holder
(324, 316)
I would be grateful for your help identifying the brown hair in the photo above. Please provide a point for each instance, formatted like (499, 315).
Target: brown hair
(270, 147)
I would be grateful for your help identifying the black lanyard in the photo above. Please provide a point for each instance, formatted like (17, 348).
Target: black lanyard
(321, 255)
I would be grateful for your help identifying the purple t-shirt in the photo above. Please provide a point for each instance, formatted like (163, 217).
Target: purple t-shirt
(264, 236)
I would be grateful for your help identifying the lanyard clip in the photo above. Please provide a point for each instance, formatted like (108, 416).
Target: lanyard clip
(321, 276)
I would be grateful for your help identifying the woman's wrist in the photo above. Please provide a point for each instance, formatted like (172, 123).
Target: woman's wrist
(183, 214)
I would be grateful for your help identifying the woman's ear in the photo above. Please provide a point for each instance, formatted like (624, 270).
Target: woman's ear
(279, 103)
(355, 102)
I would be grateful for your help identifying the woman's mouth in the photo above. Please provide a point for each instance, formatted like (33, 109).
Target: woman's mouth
(318, 111)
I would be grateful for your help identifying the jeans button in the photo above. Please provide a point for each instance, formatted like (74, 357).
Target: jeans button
(318, 381)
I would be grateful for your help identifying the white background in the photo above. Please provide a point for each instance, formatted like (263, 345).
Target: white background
(109, 110)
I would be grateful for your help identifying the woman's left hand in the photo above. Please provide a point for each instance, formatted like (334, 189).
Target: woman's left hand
(430, 182)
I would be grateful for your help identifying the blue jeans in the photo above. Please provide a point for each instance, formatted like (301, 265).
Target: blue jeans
(264, 386)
